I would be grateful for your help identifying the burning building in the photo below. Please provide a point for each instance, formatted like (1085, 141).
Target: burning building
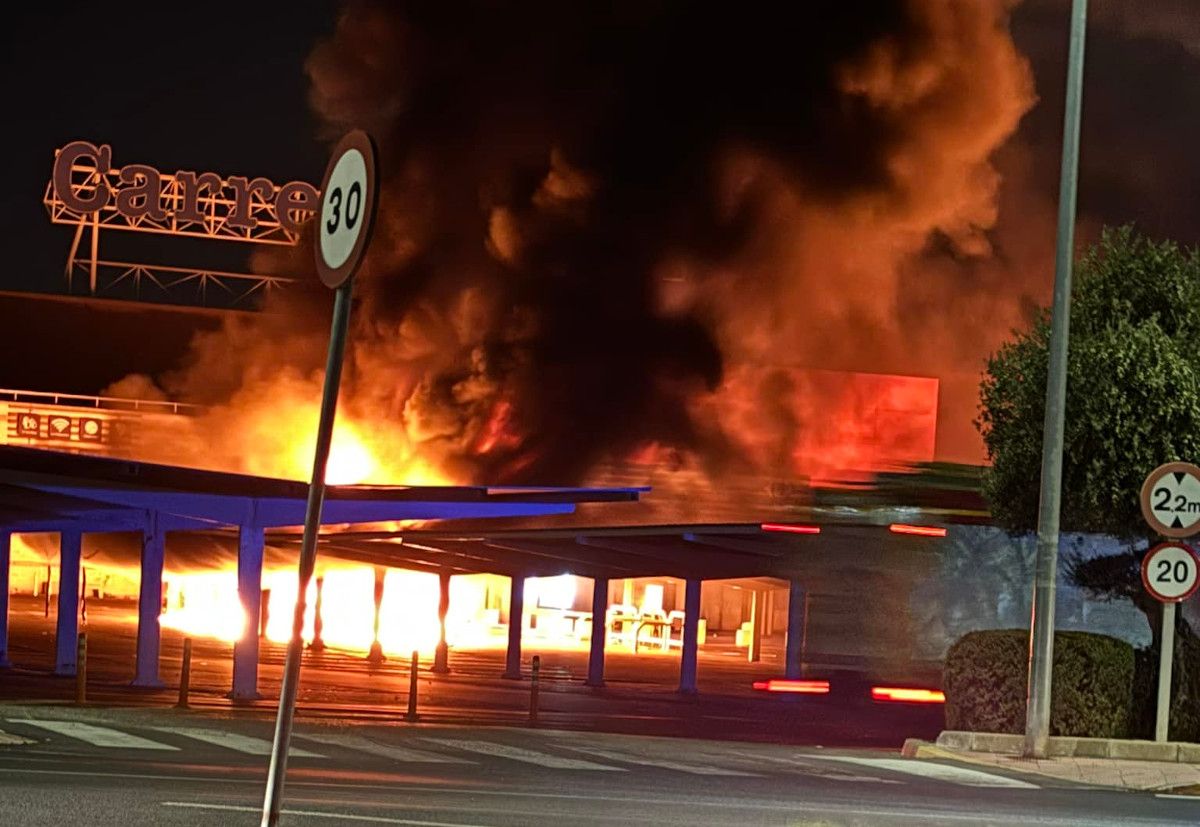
(703, 249)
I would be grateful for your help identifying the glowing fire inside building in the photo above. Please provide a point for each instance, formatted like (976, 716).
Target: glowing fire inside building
(359, 606)
(644, 614)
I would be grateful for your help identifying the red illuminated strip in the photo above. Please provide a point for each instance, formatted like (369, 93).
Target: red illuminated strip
(907, 695)
(918, 530)
(791, 529)
(801, 687)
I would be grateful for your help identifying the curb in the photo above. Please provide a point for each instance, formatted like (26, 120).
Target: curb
(924, 750)
(1062, 746)
(916, 748)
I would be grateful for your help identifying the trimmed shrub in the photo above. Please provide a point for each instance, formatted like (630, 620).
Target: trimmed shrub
(1092, 694)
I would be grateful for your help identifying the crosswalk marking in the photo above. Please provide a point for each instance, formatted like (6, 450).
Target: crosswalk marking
(665, 763)
(528, 756)
(7, 739)
(96, 735)
(233, 741)
(360, 744)
(938, 772)
(811, 768)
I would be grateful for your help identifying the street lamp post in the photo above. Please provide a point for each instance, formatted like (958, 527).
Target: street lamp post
(1041, 636)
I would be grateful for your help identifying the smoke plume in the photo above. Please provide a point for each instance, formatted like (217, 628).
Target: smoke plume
(617, 225)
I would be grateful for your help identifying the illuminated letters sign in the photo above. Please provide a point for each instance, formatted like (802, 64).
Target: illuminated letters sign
(87, 192)
(86, 189)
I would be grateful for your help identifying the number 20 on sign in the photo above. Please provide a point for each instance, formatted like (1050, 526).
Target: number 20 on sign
(1170, 572)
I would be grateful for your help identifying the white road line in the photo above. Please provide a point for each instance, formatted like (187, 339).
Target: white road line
(1178, 797)
(665, 763)
(938, 772)
(360, 744)
(528, 756)
(233, 741)
(320, 814)
(96, 735)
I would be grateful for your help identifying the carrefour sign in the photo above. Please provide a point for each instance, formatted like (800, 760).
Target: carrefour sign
(86, 188)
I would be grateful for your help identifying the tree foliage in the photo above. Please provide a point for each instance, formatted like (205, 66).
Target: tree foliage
(1133, 389)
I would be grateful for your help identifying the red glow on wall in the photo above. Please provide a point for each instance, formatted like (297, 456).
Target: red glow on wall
(918, 530)
(908, 695)
(790, 528)
(795, 686)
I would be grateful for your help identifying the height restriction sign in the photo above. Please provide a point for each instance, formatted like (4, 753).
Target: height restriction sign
(1171, 499)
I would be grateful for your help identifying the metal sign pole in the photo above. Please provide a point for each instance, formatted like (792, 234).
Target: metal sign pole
(343, 225)
(1041, 643)
(308, 554)
(1170, 572)
(1165, 658)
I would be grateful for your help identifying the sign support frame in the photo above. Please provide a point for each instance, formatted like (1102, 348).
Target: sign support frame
(1166, 660)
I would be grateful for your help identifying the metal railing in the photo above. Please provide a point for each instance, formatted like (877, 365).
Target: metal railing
(110, 403)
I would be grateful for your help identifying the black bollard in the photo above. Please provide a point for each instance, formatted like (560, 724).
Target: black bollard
(411, 716)
(81, 671)
(185, 674)
(533, 690)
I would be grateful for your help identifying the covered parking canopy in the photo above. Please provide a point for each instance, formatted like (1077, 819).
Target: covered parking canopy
(72, 494)
(807, 556)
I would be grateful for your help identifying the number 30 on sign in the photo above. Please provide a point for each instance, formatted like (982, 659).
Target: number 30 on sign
(347, 209)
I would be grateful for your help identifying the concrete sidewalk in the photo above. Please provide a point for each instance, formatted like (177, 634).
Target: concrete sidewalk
(1125, 773)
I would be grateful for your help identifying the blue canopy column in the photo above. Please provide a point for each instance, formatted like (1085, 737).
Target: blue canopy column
(441, 655)
(251, 541)
(5, 559)
(149, 636)
(516, 623)
(793, 665)
(66, 639)
(691, 633)
(595, 676)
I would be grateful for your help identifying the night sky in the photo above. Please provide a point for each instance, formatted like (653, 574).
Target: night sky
(213, 86)
(222, 87)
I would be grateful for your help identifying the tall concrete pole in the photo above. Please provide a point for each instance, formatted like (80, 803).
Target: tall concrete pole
(1041, 635)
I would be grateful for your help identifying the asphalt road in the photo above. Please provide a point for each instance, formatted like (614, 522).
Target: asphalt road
(148, 767)
(640, 697)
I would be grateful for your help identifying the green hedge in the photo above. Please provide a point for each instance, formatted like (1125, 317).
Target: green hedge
(1092, 696)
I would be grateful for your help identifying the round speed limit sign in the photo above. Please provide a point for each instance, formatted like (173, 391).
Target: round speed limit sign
(346, 214)
(1171, 572)
(1171, 499)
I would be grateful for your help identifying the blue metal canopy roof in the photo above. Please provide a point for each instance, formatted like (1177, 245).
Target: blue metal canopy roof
(48, 491)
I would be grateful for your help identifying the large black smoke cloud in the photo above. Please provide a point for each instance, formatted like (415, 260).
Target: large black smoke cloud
(597, 214)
